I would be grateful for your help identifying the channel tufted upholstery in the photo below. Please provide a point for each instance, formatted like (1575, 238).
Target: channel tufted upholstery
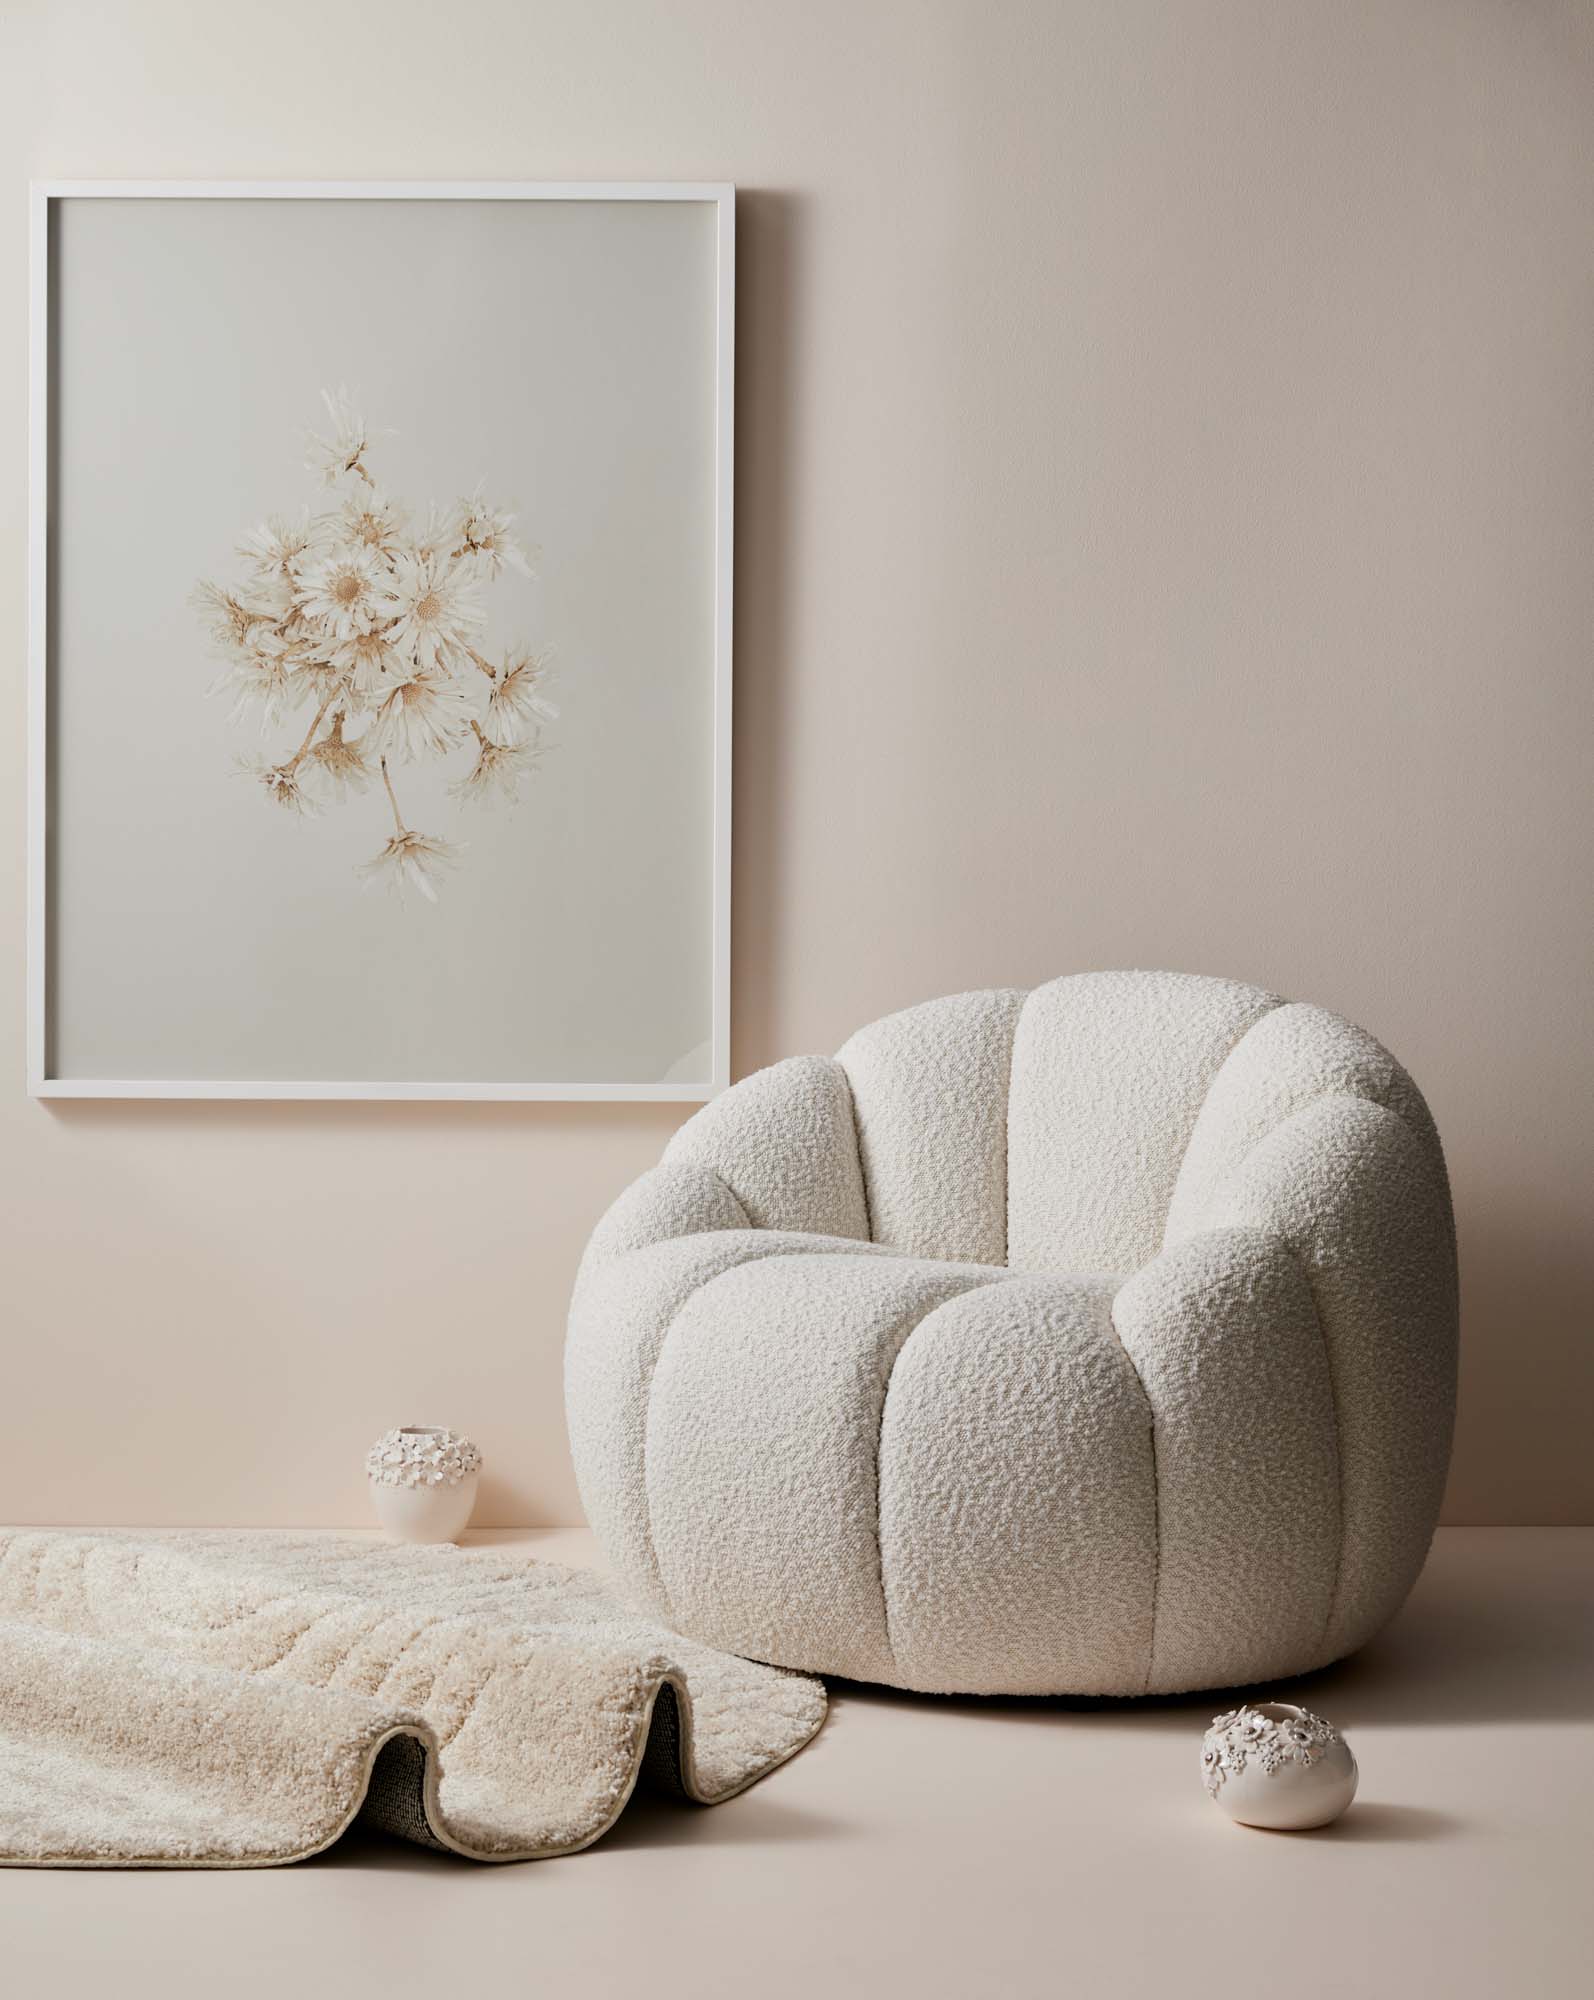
(1094, 1340)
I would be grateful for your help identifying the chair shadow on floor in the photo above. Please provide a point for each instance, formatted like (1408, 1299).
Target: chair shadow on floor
(1499, 1627)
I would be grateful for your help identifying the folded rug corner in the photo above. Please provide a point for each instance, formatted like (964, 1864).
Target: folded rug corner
(209, 1700)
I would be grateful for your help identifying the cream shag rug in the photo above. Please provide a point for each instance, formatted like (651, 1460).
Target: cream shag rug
(199, 1700)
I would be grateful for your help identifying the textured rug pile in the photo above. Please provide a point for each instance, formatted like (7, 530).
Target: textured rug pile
(221, 1701)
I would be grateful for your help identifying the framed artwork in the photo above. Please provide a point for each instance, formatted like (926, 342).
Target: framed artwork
(380, 648)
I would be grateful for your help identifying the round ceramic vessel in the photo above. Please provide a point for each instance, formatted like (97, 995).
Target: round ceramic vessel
(423, 1482)
(1275, 1765)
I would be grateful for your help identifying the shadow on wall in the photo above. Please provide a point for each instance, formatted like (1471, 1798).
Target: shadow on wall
(504, 1496)
(1527, 1358)
(770, 235)
(1491, 1633)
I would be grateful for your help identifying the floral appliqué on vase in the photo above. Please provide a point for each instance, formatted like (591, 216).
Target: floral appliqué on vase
(1245, 1734)
(421, 1458)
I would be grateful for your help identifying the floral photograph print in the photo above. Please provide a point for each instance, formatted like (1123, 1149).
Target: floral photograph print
(371, 624)
(380, 648)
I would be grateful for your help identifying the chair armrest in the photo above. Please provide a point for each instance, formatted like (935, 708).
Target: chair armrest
(784, 1142)
(1358, 1195)
(1222, 1331)
(674, 1199)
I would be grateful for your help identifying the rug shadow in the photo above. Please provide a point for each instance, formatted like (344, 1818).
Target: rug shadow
(385, 1853)
(650, 1820)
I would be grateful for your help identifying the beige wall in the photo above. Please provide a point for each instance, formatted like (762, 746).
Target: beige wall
(1166, 537)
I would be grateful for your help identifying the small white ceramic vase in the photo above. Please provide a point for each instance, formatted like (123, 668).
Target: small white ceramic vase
(1273, 1764)
(423, 1483)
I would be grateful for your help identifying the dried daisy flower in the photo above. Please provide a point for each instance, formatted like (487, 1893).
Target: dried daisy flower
(344, 452)
(280, 544)
(369, 520)
(517, 706)
(281, 784)
(412, 861)
(345, 594)
(424, 715)
(435, 609)
(440, 536)
(233, 617)
(342, 764)
(265, 681)
(371, 668)
(484, 540)
(316, 678)
(497, 772)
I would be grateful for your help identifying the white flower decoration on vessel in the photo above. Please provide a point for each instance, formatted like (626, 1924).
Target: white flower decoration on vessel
(1245, 1732)
(417, 1457)
(373, 627)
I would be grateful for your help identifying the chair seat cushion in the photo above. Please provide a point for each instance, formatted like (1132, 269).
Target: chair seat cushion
(895, 1468)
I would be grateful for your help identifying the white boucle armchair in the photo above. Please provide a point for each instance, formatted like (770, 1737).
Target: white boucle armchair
(1095, 1340)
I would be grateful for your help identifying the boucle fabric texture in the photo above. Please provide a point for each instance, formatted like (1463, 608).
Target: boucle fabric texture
(1096, 1340)
(219, 1701)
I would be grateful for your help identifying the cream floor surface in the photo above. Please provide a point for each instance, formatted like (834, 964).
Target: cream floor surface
(950, 1848)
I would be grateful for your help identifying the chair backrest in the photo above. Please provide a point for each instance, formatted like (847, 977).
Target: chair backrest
(1077, 1126)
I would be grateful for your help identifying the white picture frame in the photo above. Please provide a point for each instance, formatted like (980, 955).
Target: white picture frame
(43, 1079)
